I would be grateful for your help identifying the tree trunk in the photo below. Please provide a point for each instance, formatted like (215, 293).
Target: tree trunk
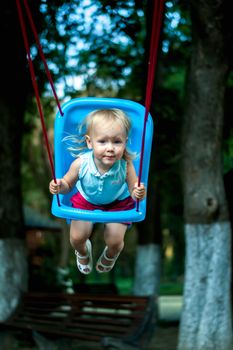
(148, 256)
(13, 275)
(206, 315)
(13, 270)
(147, 269)
(206, 318)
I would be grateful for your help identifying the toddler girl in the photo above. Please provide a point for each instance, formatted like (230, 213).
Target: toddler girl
(105, 178)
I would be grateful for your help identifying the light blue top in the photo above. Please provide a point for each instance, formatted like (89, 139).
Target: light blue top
(104, 188)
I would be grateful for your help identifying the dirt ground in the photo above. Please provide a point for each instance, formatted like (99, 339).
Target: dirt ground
(165, 338)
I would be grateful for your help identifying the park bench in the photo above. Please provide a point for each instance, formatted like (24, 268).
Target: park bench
(114, 322)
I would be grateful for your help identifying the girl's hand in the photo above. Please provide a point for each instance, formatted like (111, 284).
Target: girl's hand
(138, 192)
(55, 188)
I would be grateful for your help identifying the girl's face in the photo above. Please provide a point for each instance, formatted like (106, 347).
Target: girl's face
(108, 141)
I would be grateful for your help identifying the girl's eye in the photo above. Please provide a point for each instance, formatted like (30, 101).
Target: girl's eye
(118, 142)
(101, 141)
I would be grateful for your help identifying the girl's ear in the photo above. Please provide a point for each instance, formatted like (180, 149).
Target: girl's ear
(88, 141)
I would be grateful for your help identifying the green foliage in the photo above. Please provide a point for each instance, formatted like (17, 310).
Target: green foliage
(35, 167)
(228, 127)
(171, 288)
(228, 153)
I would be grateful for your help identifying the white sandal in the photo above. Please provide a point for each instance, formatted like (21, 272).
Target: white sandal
(83, 268)
(106, 268)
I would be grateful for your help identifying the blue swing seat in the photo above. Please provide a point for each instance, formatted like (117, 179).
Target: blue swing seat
(74, 112)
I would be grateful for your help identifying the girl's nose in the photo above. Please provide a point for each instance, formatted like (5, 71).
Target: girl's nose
(110, 146)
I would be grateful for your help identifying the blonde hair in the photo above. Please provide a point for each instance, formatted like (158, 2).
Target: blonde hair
(77, 143)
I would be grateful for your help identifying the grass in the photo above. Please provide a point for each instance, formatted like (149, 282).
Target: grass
(125, 286)
(171, 288)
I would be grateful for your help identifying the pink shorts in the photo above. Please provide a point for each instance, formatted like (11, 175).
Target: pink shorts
(78, 201)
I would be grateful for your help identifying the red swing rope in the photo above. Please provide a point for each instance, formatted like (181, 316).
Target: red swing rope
(33, 27)
(35, 87)
(154, 42)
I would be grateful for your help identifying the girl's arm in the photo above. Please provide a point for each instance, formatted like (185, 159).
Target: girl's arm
(68, 181)
(136, 192)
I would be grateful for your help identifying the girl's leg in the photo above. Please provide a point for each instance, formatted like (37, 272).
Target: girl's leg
(80, 231)
(114, 234)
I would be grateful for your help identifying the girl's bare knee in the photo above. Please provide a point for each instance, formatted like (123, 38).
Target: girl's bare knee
(79, 232)
(76, 240)
(116, 246)
(114, 237)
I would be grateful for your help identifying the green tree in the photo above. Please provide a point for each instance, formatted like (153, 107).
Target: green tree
(206, 317)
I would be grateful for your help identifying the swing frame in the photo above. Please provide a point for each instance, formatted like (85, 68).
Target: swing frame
(74, 112)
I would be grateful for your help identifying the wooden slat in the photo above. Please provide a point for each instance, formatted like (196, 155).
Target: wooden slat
(85, 317)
